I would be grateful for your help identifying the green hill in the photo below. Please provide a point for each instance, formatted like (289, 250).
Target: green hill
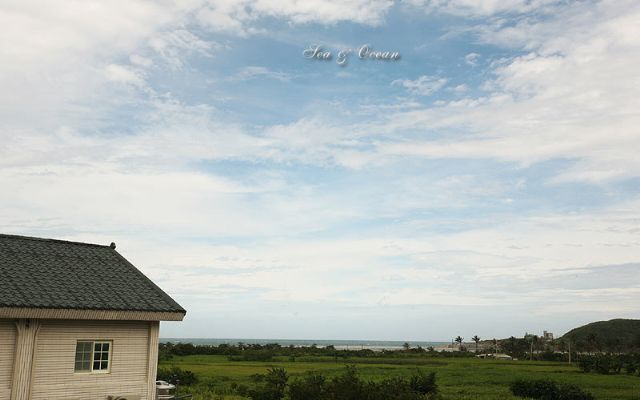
(614, 335)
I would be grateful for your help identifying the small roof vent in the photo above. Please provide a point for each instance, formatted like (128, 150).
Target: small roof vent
(112, 245)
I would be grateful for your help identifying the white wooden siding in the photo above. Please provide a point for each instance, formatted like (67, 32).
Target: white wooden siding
(54, 377)
(7, 350)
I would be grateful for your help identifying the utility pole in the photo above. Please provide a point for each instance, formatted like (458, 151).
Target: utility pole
(532, 337)
(569, 341)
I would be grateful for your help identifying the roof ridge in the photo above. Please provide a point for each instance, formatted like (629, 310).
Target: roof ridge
(52, 240)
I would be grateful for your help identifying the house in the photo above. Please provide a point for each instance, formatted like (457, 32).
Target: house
(77, 322)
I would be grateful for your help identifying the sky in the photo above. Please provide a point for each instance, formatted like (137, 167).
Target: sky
(484, 183)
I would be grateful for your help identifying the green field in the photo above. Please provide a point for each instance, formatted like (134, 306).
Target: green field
(457, 378)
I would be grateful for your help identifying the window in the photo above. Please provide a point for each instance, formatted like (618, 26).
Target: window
(92, 356)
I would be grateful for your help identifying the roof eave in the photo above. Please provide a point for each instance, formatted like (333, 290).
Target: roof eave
(85, 314)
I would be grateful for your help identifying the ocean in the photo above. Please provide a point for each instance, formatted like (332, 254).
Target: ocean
(338, 344)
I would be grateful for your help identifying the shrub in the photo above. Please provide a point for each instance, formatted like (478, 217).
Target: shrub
(309, 387)
(393, 388)
(275, 382)
(546, 389)
(177, 375)
(424, 383)
(250, 355)
(573, 392)
(347, 386)
(543, 389)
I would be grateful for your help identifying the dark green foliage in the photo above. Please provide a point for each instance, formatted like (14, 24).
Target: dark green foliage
(309, 387)
(546, 389)
(515, 347)
(267, 352)
(349, 386)
(424, 383)
(393, 388)
(164, 354)
(271, 386)
(177, 375)
(543, 389)
(573, 392)
(609, 363)
(616, 335)
(252, 355)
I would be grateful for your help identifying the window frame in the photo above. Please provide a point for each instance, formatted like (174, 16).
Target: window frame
(91, 370)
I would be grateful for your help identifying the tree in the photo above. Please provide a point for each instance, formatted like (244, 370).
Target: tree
(594, 342)
(511, 346)
(476, 339)
(459, 340)
(309, 387)
(273, 386)
(406, 346)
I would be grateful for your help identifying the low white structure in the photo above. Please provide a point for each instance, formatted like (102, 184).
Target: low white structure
(77, 322)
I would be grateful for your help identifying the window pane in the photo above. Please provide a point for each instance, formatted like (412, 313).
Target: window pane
(97, 347)
(81, 355)
(96, 365)
(105, 346)
(104, 365)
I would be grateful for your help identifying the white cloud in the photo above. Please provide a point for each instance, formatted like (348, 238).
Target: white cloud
(252, 72)
(472, 59)
(178, 45)
(423, 86)
(236, 17)
(572, 97)
(480, 8)
(123, 74)
(460, 88)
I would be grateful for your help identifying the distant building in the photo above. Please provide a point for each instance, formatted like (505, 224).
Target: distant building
(77, 322)
(546, 336)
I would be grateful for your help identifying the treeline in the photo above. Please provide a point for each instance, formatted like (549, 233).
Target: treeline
(558, 350)
(275, 385)
(610, 363)
(266, 352)
(534, 348)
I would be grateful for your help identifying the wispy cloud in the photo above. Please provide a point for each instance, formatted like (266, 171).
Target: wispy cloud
(253, 72)
(423, 86)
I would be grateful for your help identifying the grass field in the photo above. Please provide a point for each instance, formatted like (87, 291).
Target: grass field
(457, 378)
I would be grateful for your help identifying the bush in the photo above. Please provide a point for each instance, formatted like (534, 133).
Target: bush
(543, 389)
(348, 386)
(424, 383)
(249, 355)
(546, 389)
(271, 387)
(177, 375)
(573, 392)
(610, 363)
(309, 387)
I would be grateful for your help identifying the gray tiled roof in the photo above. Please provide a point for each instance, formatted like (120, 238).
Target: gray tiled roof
(47, 273)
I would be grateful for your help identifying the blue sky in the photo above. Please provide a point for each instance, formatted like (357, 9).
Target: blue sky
(484, 183)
